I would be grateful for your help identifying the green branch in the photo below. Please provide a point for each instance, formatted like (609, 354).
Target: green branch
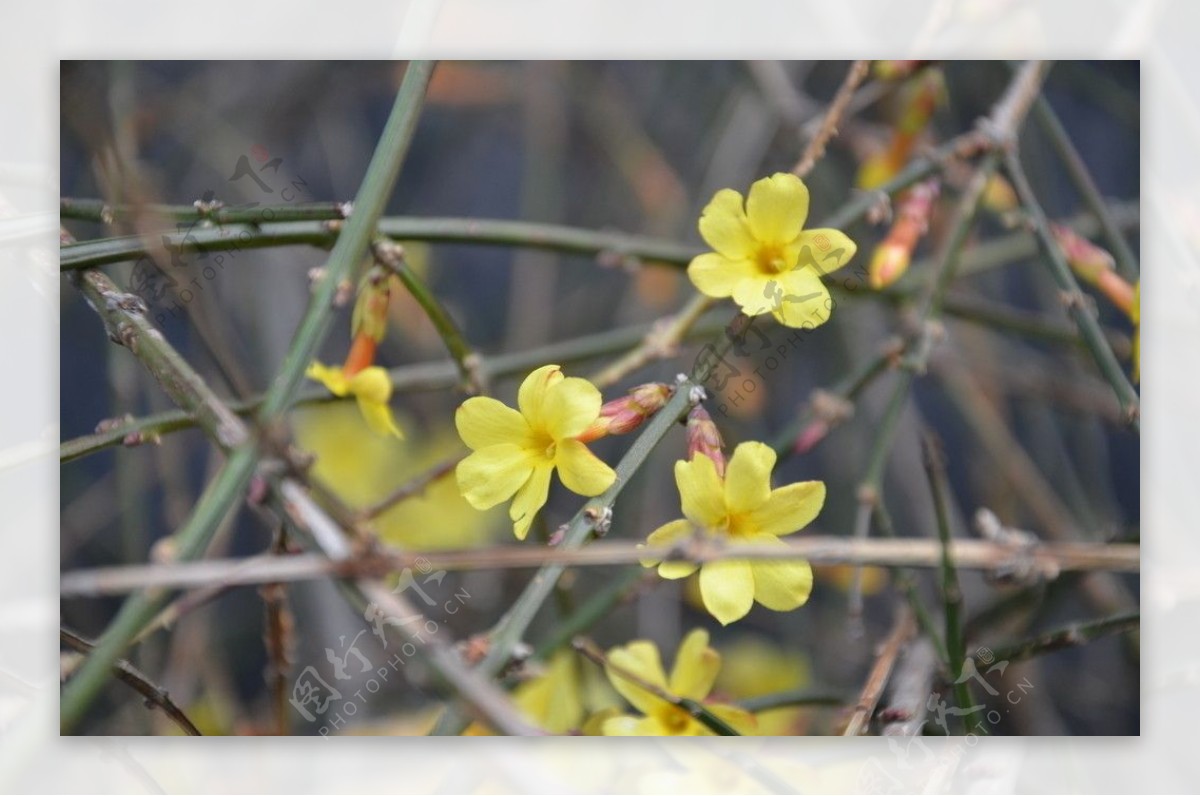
(1074, 635)
(1073, 297)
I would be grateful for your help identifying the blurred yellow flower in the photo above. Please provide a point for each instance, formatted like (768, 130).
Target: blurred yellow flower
(516, 451)
(692, 677)
(744, 509)
(752, 667)
(764, 258)
(362, 468)
(371, 387)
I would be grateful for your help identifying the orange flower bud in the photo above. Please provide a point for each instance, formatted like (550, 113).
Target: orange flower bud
(892, 257)
(1086, 259)
(703, 437)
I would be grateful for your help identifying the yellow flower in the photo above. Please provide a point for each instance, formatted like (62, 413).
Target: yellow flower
(752, 667)
(743, 509)
(692, 677)
(764, 258)
(516, 451)
(372, 388)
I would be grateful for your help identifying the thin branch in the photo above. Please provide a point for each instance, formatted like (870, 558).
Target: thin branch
(413, 487)
(661, 341)
(614, 246)
(1074, 299)
(422, 376)
(1040, 559)
(588, 649)
(1074, 635)
(877, 680)
(126, 672)
(833, 117)
(354, 241)
(1126, 260)
(935, 470)
(391, 256)
(804, 697)
(203, 213)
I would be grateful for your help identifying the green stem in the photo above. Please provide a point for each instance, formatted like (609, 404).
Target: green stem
(908, 583)
(592, 611)
(1089, 327)
(1073, 635)
(353, 242)
(804, 697)
(190, 541)
(951, 590)
(100, 212)
(465, 358)
(1127, 263)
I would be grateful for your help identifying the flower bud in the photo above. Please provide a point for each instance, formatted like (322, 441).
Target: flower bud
(625, 414)
(892, 257)
(370, 315)
(1086, 259)
(703, 437)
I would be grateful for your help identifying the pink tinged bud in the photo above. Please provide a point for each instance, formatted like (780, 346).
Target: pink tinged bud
(810, 436)
(704, 438)
(625, 414)
(1086, 259)
(892, 257)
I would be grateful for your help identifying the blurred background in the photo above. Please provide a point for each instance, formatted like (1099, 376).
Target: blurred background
(1031, 430)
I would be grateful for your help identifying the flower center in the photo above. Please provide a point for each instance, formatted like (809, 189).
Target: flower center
(772, 259)
(674, 719)
(547, 445)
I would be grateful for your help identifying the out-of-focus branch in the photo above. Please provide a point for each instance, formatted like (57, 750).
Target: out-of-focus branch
(126, 672)
(815, 149)
(1074, 635)
(885, 660)
(1044, 559)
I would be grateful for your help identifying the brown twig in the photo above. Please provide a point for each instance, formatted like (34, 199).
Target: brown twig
(877, 680)
(833, 117)
(278, 638)
(123, 670)
(412, 488)
(1044, 559)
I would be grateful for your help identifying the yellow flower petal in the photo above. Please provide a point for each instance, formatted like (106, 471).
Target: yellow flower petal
(741, 720)
(632, 725)
(759, 293)
(727, 588)
(823, 251)
(716, 275)
(777, 208)
(723, 226)
(533, 391)
(666, 536)
(701, 493)
(748, 477)
(485, 421)
(529, 499)
(780, 585)
(580, 470)
(372, 384)
(802, 300)
(373, 388)
(379, 418)
(788, 509)
(639, 658)
(333, 378)
(696, 667)
(492, 475)
(568, 408)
